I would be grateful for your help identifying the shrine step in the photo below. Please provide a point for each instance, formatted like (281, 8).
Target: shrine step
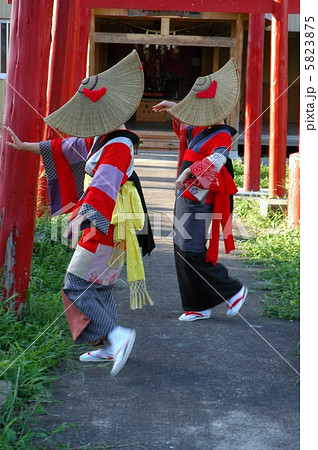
(158, 140)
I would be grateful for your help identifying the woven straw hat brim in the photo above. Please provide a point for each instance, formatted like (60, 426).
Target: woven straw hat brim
(209, 111)
(81, 117)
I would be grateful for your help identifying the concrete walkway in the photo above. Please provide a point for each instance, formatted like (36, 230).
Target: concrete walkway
(218, 384)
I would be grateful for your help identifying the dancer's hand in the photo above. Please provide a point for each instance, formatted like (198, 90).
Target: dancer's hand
(17, 144)
(182, 177)
(73, 230)
(163, 106)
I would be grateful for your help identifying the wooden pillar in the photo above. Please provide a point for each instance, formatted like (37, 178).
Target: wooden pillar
(66, 63)
(237, 54)
(23, 111)
(216, 57)
(92, 45)
(207, 60)
(293, 205)
(253, 105)
(278, 99)
(165, 26)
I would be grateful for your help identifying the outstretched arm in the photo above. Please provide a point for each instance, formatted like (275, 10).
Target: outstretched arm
(163, 106)
(33, 147)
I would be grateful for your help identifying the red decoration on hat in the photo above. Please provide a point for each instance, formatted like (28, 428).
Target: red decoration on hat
(142, 66)
(96, 94)
(209, 92)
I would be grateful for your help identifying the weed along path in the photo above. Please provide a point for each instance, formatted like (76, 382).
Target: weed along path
(224, 383)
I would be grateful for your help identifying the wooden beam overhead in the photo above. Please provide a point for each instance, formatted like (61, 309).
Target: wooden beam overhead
(103, 12)
(221, 16)
(215, 16)
(157, 39)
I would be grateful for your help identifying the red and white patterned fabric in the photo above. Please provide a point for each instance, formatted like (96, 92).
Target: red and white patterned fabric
(65, 162)
(206, 174)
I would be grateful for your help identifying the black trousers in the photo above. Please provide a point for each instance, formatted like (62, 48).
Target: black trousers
(201, 284)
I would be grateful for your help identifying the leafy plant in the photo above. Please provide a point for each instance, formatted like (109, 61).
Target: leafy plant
(32, 347)
(239, 171)
(278, 251)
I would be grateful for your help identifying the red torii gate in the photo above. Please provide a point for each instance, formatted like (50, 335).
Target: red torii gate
(27, 79)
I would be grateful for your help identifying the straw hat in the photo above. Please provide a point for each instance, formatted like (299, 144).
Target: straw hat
(211, 98)
(103, 102)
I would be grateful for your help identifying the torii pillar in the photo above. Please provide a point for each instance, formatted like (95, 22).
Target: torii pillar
(67, 69)
(253, 106)
(23, 111)
(278, 99)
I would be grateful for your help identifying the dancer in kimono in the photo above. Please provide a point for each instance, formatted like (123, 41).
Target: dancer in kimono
(108, 211)
(204, 194)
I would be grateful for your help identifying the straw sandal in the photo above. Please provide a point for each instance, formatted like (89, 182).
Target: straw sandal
(122, 353)
(100, 355)
(236, 302)
(190, 316)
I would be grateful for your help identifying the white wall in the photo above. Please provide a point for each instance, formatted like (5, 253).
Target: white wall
(5, 13)
(5, 10)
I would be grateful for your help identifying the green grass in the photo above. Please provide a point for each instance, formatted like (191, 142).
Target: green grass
(278, 254)
(239, 171)
(248, 209)
(31, 348)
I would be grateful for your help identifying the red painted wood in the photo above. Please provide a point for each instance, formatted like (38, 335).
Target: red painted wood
(233, 6)
(65, 60)
(23, 112)
(68, 65)
(293, 205)
(84, 29)
(253, 106)
(278, 100)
